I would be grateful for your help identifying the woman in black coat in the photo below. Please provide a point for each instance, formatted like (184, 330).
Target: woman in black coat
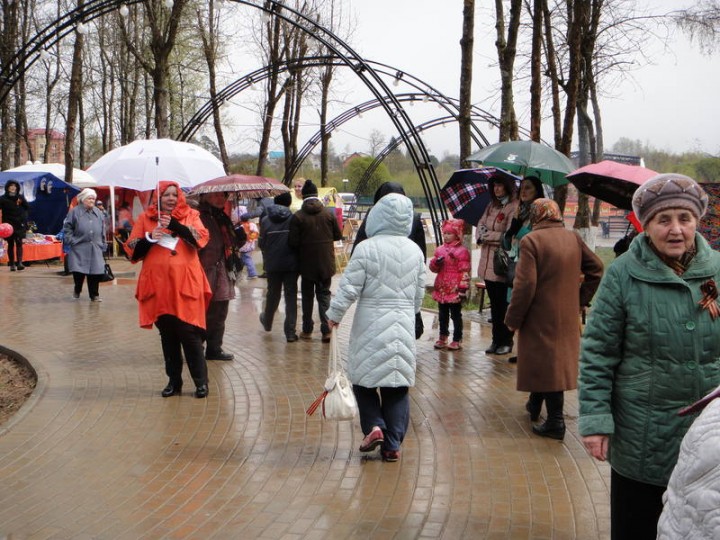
(14, 210)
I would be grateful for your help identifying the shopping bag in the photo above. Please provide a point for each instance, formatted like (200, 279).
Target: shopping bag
(337, 399)
(107, 275)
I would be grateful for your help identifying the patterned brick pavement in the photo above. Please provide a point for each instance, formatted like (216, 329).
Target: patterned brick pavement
(97, 453)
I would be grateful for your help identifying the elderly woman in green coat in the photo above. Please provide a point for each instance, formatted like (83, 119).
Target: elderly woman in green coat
(650, 347)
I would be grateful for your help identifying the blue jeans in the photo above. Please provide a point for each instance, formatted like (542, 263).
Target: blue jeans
(389, 410)
(247, 259)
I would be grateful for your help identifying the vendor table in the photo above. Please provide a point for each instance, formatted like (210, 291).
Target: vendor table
(39, 252)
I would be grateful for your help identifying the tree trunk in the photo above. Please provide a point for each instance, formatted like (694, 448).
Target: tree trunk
(507, 49)
(74, 97)
(536, 72)
(466, 65)
(8, 41)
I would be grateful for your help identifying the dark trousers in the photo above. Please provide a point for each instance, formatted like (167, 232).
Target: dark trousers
(15, 248)
(635, 508)
(177, 337)
(215, 320)
(497, 292)
(277, 284)
(445, 313)
(93, 283)
(312, 289)
(389, 410)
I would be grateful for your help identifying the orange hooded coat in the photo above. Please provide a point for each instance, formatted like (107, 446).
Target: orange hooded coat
(171, 282)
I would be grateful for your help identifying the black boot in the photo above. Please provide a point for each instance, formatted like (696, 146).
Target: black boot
(554, 426)
(534, 405)
(172, 389)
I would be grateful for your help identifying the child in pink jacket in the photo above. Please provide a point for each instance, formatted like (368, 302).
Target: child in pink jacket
(452, 265)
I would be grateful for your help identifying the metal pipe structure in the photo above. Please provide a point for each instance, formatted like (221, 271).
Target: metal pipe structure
(30, 52)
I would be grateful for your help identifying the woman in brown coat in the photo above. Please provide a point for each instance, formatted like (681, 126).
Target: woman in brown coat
(548, 295)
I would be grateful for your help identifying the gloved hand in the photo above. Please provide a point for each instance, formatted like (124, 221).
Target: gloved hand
(462, 294)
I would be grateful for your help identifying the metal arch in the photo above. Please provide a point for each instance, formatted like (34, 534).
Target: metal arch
(30, 51)
(355, 111)
(441, 121)
(10, 74)
(241, 84)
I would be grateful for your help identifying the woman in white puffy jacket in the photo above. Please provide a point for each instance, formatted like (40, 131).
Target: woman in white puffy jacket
(386, 277)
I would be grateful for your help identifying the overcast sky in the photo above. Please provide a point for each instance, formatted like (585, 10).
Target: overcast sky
(671, 103)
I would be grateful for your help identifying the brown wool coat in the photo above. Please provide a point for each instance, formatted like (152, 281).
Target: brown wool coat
(545, 306)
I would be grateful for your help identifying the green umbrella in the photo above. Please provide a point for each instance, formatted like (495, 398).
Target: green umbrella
(527, 158)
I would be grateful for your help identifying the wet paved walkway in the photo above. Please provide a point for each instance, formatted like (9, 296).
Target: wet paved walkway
(97, 453)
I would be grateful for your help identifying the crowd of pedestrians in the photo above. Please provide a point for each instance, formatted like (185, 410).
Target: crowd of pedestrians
(649, 347)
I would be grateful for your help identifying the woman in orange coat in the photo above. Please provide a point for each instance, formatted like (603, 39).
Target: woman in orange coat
(172, 290)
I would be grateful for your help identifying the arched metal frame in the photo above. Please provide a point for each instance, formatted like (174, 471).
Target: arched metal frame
(29, 53)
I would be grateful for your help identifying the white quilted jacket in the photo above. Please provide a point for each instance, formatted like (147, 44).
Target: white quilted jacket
(692, 500)
(386, 277)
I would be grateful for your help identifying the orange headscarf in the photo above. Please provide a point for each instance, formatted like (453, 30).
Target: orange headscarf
(182, 209)
(545, 210)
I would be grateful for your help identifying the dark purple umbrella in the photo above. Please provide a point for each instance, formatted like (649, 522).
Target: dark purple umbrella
(467, 193)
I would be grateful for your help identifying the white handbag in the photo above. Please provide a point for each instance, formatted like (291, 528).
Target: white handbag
(337, 399)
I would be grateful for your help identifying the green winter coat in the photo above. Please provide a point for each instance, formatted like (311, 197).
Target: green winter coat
(648, 350)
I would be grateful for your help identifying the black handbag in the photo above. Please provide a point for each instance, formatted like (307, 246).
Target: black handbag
(108, 274)
(501, 261)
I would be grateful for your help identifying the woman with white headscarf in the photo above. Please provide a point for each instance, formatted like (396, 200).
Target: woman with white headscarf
(84, 235)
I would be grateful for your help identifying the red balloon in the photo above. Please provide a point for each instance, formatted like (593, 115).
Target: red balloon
(6, 230)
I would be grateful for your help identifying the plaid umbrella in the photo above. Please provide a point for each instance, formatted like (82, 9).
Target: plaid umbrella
(467, 193)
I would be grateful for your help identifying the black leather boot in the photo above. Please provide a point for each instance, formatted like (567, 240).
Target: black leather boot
(554, 426)
(534, 405)
(172, 389)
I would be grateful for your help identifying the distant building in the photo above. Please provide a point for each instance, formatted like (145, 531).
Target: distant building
(348, 158)
(37, 142)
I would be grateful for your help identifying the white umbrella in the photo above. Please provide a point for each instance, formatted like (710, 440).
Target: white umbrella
(80, 177)
(141, 164)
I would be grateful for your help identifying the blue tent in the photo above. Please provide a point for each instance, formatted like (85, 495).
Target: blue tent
(48, 196)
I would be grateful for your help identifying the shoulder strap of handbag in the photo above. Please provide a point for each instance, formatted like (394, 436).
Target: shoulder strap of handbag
(334, 354)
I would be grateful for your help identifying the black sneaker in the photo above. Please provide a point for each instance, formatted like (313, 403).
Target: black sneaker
(266, 327)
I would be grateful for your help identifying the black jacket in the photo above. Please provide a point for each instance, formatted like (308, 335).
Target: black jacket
(278, 256)
(14, 208)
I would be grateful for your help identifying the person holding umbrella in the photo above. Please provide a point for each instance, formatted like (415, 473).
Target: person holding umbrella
(493, 224)
(172, 290)
(217, 259)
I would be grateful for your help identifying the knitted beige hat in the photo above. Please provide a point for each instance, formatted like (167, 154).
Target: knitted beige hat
(668, 191)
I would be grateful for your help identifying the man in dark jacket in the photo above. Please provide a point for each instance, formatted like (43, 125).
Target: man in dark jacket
(14, 210)
(280, 265)
(313, 230)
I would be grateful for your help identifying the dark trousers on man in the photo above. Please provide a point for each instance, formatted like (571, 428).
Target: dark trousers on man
(497, 292)
(635, 508)
(283, 283)
(215, 320)
(93, 281)
(177, 337)
(15, 248)
(312, 289)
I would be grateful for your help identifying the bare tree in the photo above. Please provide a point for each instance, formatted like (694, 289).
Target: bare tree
(506, 49)
(8, 42)
(73, 101)
(466, 68)
(208, 25)
(702, 23)
(164, 25)
(376, 142)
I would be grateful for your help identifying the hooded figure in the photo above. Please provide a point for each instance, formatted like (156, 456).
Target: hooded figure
(14, 210)
(386, 277)
(417, 233)
(280, 264)
(172, 290)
